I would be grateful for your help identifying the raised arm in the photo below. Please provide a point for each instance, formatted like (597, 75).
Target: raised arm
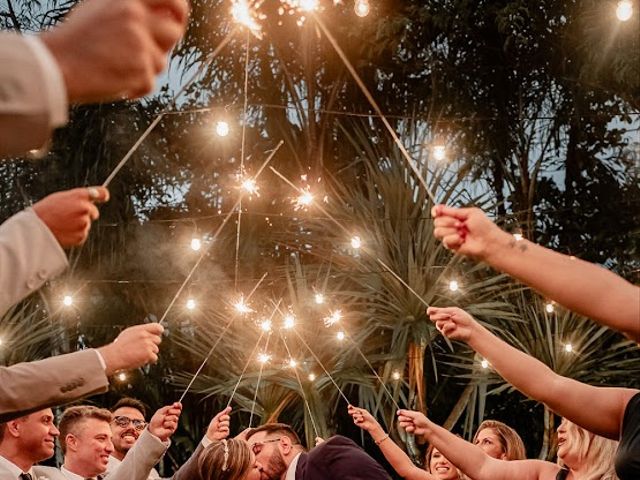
(469, 458)
(398, 459)
(580, 286)
(597, 409)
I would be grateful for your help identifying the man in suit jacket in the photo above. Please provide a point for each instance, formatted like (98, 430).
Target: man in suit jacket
(280, 456)
(103, 51)
(128, 423)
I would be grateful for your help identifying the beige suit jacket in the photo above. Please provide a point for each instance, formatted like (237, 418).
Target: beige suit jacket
(25, 119)
(136, 464)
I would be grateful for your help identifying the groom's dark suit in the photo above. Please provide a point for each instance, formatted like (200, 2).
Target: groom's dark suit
(339, 458)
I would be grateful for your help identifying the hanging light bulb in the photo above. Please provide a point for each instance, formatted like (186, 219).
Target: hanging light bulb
(266, 325)
(362, 8)
(439, 152)
(396, 375)
(191, 304)
(222, 128)
(340, 335)
(122, 376)
(196, 244)
(484, 363)
(549, 307)
(289, 322)
(319, 298)
(67, 300)
(356, 242)
(312, 377)
(454, 286)
(624, 10)
(568, 348)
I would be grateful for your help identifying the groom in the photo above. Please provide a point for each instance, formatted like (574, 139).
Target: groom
(280, 456)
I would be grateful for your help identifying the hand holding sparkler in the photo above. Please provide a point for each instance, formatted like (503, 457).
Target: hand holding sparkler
(219, 426)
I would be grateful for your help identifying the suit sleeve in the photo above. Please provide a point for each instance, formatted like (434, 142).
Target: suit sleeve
(189, 470)
(139, 461)
(29, 256)
(29, 94)
(340, 457)
(29, 387)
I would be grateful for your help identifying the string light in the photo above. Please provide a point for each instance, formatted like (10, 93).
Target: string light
(549, 307)
(356, 242)
(568, 348)
(242, 307)
(222, 128)
(454, 286)
(439, 152)
(196, 244)
(67, 300)
(266, 325)
(333, 318)
(289, 322)
(191, 304)
(484, 363)
(263, 358)
(122, 376)
(340, 335)
(319, 298)
(624, 10)
(312, 377)
(396, 375)
(362, 8)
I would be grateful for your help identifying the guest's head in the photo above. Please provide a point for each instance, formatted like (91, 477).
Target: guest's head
(127, 424)
(228, 460)
(499, 441)
(582, 450)
(85, 439)
(438, 465)
(274, 445)
(29, 439)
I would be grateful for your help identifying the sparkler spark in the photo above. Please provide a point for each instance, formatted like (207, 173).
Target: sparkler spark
(249, 185)
(266, 325)
(242, 307)
(245, 15)
(191, 304)
(289, 322)
(333, 318)
(263, 358)
(304, 199)
(67, 300)
(319, 298)
(196, 244)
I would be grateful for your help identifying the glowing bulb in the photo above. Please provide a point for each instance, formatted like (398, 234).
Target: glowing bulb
(340, 335)
(196, 244)
(263, 358)
(266, 325)
(67, 300)
(485, 364)
(308, 5)
(454, 286)
(242, 307)
(333, 318)
(361, 8)
(356, 242)
(304, 199)
(289, 322)
(624, 11)
(249, 185)
(439, 152)
(549, 307)
(293, 363)
(312, 377)
(191, 304)
(222, 128)
(568, 348)
(396, 375)
(319, 298)
(122, 376)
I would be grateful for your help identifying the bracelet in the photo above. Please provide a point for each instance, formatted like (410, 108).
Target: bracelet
(378, 442)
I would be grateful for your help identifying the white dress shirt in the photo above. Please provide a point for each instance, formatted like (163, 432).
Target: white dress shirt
(291, 471)
(13, 468)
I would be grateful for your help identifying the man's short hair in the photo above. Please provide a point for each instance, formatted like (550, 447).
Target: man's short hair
(72, 417)
(130, 403)
(3, 428)
(278, 429)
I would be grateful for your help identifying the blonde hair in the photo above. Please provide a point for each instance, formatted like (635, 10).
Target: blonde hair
(427, 461)
(511, 443)
(225, 460)
(595, 454)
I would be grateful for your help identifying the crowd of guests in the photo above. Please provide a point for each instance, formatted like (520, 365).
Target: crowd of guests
(108, 50)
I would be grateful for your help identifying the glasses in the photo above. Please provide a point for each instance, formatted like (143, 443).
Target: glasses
(123, 422)
(257, 447)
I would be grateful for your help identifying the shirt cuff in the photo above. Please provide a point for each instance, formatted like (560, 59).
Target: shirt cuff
(101, 359)
(206, 442)
(54, 82)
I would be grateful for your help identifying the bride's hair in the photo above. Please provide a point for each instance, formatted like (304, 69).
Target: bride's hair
(225, 460)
